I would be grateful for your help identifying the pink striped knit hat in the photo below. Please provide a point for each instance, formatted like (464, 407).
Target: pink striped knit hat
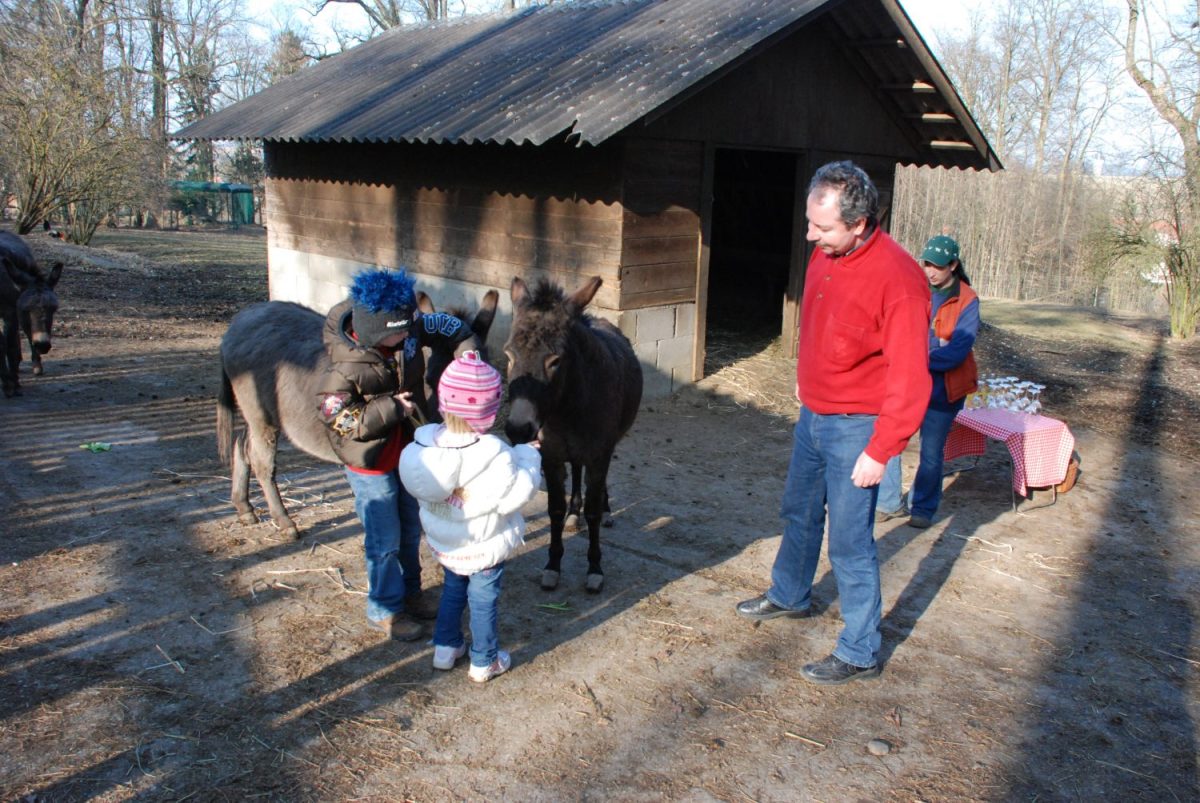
(470, 389)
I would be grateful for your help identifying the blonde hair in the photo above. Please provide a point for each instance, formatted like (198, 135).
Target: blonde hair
(457, 425)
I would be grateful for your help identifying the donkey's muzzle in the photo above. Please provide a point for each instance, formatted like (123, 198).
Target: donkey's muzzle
(522, 424)
(520, 432)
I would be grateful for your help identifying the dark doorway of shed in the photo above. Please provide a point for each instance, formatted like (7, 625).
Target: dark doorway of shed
(750, 251)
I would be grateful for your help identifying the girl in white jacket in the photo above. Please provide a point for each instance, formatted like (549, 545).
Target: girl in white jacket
(471, 487)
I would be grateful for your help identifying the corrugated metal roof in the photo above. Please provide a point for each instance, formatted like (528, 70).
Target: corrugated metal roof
(584, 70)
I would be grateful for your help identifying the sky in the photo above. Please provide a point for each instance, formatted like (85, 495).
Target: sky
(939, 15)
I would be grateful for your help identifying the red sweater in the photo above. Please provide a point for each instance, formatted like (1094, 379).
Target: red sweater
(864, 330)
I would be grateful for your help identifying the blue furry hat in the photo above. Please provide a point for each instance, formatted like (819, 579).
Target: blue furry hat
(384, 304)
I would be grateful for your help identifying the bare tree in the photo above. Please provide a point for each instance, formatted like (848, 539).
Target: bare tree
(64, 136)
(1040, 78)
(203, 37)
(1163, 58)
(383, 14)
(387, 14)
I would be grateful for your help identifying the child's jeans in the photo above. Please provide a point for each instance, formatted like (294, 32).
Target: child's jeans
(391, 521)
(481, 591)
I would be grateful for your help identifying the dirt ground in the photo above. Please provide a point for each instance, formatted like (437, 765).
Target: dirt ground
(153, 649)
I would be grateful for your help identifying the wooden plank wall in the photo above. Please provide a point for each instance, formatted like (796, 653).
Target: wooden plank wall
(478, 213)
(802, 93)
(660, 242)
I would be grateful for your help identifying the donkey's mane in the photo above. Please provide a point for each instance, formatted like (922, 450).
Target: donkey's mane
(546, 296)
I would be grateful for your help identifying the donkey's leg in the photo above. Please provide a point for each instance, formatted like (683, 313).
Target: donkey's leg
(263, 443)
(35, 357)
(556, 506)
(10, 361)
(576, 504)
(593, 514)
(607, 521)
(239, 485)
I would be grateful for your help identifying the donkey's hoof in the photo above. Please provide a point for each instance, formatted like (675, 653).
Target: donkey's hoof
(595, 582)
(248, 518)
(288, 530)
(549, 579)
(37, 370)
(571, 523)
(607, 521)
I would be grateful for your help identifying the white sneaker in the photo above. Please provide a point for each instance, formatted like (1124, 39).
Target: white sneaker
(444, 657)
(482, 674)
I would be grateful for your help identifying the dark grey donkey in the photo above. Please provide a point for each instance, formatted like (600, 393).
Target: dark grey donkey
(575, 384)
(272, 360)
(27, 302)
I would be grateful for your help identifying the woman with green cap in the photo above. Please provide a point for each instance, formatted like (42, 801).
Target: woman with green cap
(953, 326)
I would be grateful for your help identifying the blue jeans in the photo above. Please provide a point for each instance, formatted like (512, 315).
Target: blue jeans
(824, 451)
(481, 591)
(926, 493)
(889, 487)
(391, 521)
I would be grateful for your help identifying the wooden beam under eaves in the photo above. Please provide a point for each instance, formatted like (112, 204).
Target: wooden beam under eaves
(884, 41)
(951, 145)
(916, 87)
(933, 117)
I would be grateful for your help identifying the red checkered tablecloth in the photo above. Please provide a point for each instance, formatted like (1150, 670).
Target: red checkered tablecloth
(1040, 446)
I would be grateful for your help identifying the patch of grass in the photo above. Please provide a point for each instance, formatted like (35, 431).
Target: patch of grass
(246, 247)
(1054, 322)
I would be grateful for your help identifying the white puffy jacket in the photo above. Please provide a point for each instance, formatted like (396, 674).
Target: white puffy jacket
(482, 524)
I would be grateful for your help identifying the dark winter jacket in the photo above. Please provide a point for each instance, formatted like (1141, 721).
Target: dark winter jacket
(356, 399)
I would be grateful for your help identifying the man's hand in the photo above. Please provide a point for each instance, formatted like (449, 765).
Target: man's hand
(404, 399)
(867, 471)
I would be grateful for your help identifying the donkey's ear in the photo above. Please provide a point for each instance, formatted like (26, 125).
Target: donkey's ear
(519, 291)
(55, 272)
(583, 296)
(481, 324)
(425, 303)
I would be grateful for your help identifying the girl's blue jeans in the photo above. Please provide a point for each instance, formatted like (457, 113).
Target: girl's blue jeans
(926, 494)
(481, 592)
(391, 520)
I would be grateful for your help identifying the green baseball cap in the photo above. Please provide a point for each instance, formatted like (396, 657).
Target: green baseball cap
(940, 250)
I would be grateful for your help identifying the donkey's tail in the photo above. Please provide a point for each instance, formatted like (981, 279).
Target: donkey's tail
(226, 407)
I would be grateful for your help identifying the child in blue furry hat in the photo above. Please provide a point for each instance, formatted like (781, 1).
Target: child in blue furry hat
(368, 416)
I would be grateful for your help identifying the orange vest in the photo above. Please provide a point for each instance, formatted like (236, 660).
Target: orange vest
(964, 377)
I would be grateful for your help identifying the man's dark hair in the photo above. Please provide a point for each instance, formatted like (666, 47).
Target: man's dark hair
(858, 197)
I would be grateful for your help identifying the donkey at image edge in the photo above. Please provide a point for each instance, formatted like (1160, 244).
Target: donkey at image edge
(273, 359)
(27, 303)
(575, 384)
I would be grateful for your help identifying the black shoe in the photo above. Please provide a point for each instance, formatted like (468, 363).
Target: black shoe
(919, 522)
(833, 671)
(760, 609)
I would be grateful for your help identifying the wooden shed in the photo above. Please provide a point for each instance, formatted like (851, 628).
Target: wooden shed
(664, 145)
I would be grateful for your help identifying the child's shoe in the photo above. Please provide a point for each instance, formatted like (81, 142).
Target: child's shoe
(482, 674)
(444, 657)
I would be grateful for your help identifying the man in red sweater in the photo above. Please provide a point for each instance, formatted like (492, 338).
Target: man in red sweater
(863, 382)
